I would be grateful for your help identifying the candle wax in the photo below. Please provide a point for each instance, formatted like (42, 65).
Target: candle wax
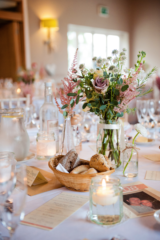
(46, 148)
(104, 196)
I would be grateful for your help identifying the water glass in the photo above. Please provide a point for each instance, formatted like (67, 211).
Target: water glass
(13, 212)
(130, 161)
(106, 200)
(142, 111)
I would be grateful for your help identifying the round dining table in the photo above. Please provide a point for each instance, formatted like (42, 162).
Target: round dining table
(77, 226)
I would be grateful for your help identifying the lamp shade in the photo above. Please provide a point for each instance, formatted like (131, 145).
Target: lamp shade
(50, 23)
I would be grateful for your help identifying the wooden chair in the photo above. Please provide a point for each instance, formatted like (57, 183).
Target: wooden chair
(16, 101)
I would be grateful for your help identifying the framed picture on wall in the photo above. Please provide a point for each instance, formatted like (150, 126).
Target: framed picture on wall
(103, 11)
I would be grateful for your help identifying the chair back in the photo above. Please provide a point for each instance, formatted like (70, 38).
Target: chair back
(11, 102)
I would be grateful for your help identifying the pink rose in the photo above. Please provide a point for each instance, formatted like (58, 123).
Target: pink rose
(100, 84)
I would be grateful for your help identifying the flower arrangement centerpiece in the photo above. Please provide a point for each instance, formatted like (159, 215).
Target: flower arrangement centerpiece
(69, 97)
(108, 90)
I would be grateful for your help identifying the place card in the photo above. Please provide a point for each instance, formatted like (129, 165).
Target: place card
(152, 175)
(153, 157)
(34, 177)
(55, 211)
(52, 183)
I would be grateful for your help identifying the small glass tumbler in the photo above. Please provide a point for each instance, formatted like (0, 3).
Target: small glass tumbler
(106, 200)
(46, 146)
(130, 161)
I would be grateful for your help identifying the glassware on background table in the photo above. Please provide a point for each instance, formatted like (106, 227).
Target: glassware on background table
(76, 120)
(46, 145)
(142, 111)
(14, 206)
(67, 137)
(106, 200)
(13, 135)
(154, 116)
(130, 154)
(49, 114)
(86, 126)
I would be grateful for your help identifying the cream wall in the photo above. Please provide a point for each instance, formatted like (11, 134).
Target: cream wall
(80, 12)
(145, 30)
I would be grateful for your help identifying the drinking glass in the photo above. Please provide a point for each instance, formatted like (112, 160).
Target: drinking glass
(154, 114)
(13, 212)
(142, 111)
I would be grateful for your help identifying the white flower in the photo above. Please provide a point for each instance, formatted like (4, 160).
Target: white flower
(111, 68)
(99, 61)
(115, 60)
(81, 66)
(115, 51)
(91, 70)
(104, 60)
(122, 63)
(141, 129)
(115, 70)
(129, 70)
(122, 54)
(94, 58)
(84, 72)
(123, 58)
(109, 58)
(106, 64)
(124, 49)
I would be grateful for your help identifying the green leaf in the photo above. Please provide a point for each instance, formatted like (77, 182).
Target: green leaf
(74, 80)
(71, 94)
(79, 91)
(94, 104)
(103, 107)
(72, 102)
(116, 91)
(84, 105)
(124, 88)
(89, 95)
(65, 114)
(114, 102)
(77, 99)
(104, 74)
(89, 105)
(113, 79)
(64, 106)
(119, 114)
(120, 81)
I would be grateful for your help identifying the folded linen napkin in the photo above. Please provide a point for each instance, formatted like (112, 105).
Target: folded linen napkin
(61, 168)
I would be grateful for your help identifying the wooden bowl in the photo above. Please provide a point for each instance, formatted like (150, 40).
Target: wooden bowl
(78, 182)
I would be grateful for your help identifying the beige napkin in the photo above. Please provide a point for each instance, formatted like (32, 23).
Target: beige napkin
(153, 157)
(152, 175)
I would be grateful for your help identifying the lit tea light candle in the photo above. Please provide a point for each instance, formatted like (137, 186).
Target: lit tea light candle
(104, 195)
(46, 148)
(5, 173)
(18, 91)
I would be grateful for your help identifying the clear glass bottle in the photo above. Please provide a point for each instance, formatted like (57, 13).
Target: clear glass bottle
(106, 200)
(130, 161)
(49, 115)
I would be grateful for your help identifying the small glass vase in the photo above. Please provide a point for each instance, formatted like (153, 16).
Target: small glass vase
(108, 141)
(130, 161)
(106, 200)
(67, 137)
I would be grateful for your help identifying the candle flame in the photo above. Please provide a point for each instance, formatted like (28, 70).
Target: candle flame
(107, 178)
(18, 90)
(104, 183)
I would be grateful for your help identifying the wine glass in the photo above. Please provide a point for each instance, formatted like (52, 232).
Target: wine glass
(142, 111)
(13, 212)
(154, 114)
(35, 117)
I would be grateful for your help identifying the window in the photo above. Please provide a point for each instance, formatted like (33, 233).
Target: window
(94, 42)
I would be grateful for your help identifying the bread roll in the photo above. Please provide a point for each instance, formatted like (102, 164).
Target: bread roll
(80, 169)
(70, 160)
(90, 171)
(98, 161)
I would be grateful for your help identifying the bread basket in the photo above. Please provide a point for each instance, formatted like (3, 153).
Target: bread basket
(78, 182)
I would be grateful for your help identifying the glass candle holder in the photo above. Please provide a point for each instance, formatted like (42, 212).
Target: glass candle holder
(106, 200)
(46, 146)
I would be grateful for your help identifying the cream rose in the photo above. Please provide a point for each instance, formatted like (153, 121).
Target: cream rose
(98, 73)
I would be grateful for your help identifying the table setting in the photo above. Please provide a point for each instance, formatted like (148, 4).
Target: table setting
(93, 176)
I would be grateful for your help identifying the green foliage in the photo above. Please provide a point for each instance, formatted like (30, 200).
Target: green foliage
(124, 88)
(103, 107)
(84, 105)
(77, 99)
(72, 102)
(65, 114)
(64, 106)
(71, 94)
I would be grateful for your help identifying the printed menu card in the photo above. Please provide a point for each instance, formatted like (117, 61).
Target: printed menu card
(55, 211)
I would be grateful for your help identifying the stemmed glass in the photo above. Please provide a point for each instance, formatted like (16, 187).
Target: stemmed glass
(7, 178)
(13, 212)
(154, 113)
(142, 111)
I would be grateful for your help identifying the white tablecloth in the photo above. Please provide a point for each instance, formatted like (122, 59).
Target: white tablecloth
(77, 227)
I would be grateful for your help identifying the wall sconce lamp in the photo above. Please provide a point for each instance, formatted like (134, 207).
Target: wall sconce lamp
(50, 23)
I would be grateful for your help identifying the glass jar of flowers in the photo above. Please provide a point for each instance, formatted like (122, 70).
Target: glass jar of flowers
(108, 90)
